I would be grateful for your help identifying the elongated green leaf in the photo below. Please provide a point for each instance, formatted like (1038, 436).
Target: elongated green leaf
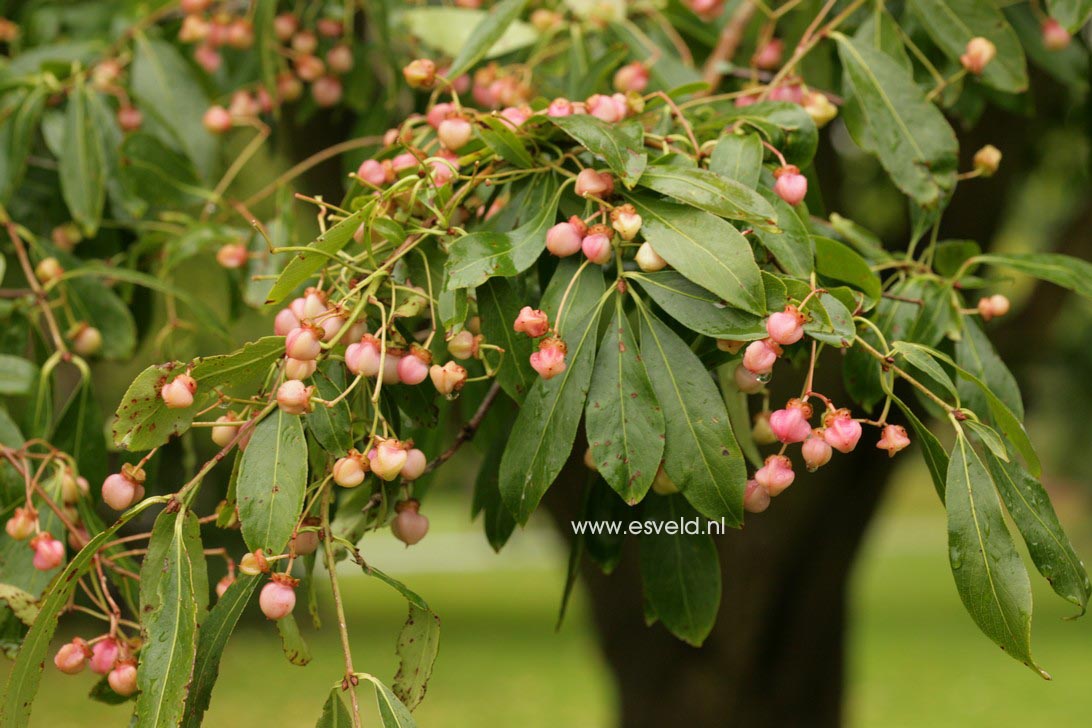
(292, 643)
(831, 322)
(500, 137)
(450, 30)
(17, 375)
(701, 455)
(936, 459)
(142, 421)
(331, 425)
(306, 263)
(391, 711)
(1071, 13)
(211, 641)
(680, 572)
(791, 246)
(242, 368)
(909, 135)
(272, 480)
(624, 421)
(479, 256)
(161, 177)
(698, 309)
(17, 136)
(497, 520)
(1061, 270)
(989, 575)
(951, 23)
(485, 35)
(881, 31)
(738, 157)
(82, 168)
(975, 352)
(26, 672)
(707, 190)
(498, 307)
(620, 146)
(1031, 510)
(173, 596)
(836, 261)
(334, 712)
(705, 249)
(22, 604)
(418, 644)
(543, 433)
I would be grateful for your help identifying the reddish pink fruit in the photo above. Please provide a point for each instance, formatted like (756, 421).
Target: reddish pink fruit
(791, 186)
(304, 342)
(993, 306)
(516, 116)
(760, 356)
(130, 118)
(223, 585)
(768, 56)
(309, 68)
(389, 374)
(373, 172)
(560, 107)
(1055, 37)
(121, 490)
(217, 119)
(893, 439)
(532, 322)
(285, 321)
(178, 393)
(285, 26)
(549, 360)
(441, 172)
(449, 378)
(755, 498)
(104, 654)
(564, 239)
(597, 244)
(786, 327)
(326, 91)
(210, 60)
(329, 27)
(631, 77)
(791, 423)
(978, 54)
(840, 430)
(299, 368)
(438, 112)
(595, 183)
(416, 462)
(747, 381)
(232, 256)
(606, 108)
(775, 475)
(350, 470)
(304, 42)
(294, 397)
(816, 451)
(123, 678)
(363, 357)
(340, 59)
(409, 526)
(48, 551)
(413, 367)
(278, 597)
(72, 657)
(21, 524)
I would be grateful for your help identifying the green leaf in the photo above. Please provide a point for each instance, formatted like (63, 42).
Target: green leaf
(292, 643)
(543, 433)
(499, 137)
(1029, 505)
(909, 135)
(708, 191)
(240, 369)
(17, 375)
(142, 421)
(334, 712)
(391, 711)
(975, 352)
(304, 264)
(272, 481)
(212, 638)
(791, 246)
(951, 23)
(17, 135)
(1061, 270)
(479, 256)
(418, 644)
(80, 432)
(835, 326)
(266, 43)
(497, 520)
(22, 604)
(498, 307)
(82, 169)
(882, 32)
(705, 249)
(738, 157)
(160, 176)
(680, 573)
(784, 125)
(331, 426)
(411, 596)
(836, 261)
(698, 309)
(920, 358)
(173, 595)
(701, 455)
(936, 459)
(624, 422)
(1070, 13)
(485, 35)
(621, 146)
(989, 575)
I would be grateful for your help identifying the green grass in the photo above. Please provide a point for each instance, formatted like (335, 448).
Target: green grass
(916, 657)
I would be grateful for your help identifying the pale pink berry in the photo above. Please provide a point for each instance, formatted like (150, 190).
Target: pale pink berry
(278, 597)
(289, 87)
(340, 59)
(223, 585)
(104, 654)
(409, 526)
(194, 29)
(515, 116)
(121, 490)
(304, 42)
(413, 367)
(791, 186)
(438, 112)
(178, 393)
(210, 59)
(285, 321)
(747, 381)
(791, 423)
(441, 171)
(331, 325)
(775, 475)
(449, 378)
(549, 360)
(305, 543)
(1055, 37)
(123, 678)
(595, 183)
(463, 345)
(285, 26)
(130, 118)
(390, 366)
(559, 107)
(755, 498)
(299, 368)
(840, 430)
(648, 259)
(454, 132)
(294, 397)
(978, 54)
(72, 657)
(564, 239)
(893, 439)
(232, 256)
(597, 245)
(993, 306)
(760, 356)
(416, 462)
(532, 322)
(355, 332)
(631, 77)
(625, 220)
(314, 304)
(786, 327)
(329, 27)
(326, 91)
(309, 68)
(350, 470)
(363, 357)
(243, 105)
(304, 343)
(388, 458)
(791, 92)
(254, 563)
(217, 119)
(21, 524)
(373, 172)
(605, 108)
(420, 73)
(224, 434)
(816, 451)
(768, 56)
(706, 9)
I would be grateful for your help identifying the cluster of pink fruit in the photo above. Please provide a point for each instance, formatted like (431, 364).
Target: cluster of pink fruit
(23, 524)
(105, 655)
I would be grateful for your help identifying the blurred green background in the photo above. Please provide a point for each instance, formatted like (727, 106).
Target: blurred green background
(916, 658)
